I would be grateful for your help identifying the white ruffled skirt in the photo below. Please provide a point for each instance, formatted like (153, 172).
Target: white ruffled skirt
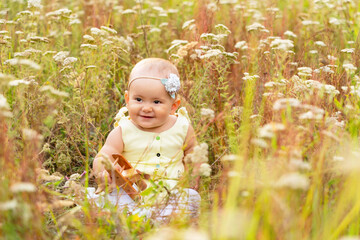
(185, 202)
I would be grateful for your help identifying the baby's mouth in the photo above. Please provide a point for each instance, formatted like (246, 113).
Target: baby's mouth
(146, 116)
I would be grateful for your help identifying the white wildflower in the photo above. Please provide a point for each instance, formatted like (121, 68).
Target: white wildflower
(299, 164)
(304, 71)
(313, 51)
(334, 21)
(248, 77)
(89, 46)
(242, 45)
(229, 158)
(255, 116)
(34, 4)
(349, 67)
(294, 64)
(277, 95)
(330, 89)
(290, 34)
(232, 55)
(22, 54)
(97, 32)
(269, 130)
(254, 27)
(20, 81)
(60, 56)
(4, 107)
(272, 9)
(49, 53)
(24, 13)
(211, 53)
(8, 205)
(320, 43)
(88, 38)
(338, 158)
(286, 102)
(309, 22)
(348, 50)
(110, 30)
(198, 155)
(54, 91)
(326, 69)
(6, 76)
(309, 116)
(350, 42)
(25, 62)
(205, 169)
(188, 24)
(175, 43)
(282, 44)
(23, 187)
(270, 84)
(39, 39)
(69, 60)
(259, 142)
(331, 58)
(221, 28)
(165, 24)
(3, 103)
(30, 134)
(60, 12)
(212, 7)
(155, 30)
(74, 21)
(233, 174)
(128, 11)
(208, 113)
(209, 36)
(228, 2)
(294, 181)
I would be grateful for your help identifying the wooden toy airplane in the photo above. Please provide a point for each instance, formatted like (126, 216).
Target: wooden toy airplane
(126, 182)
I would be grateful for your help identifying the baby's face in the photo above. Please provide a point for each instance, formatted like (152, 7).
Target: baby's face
(149, 105)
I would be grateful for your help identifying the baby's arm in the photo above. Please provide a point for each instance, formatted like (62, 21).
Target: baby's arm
(113, 144)
(190, 143)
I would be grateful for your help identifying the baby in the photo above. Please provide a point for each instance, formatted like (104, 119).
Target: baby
(153, 138)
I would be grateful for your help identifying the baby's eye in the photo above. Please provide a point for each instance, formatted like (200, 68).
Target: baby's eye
(138, 99)
(157, 102)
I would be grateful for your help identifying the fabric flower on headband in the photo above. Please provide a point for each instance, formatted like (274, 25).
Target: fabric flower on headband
(172, 84)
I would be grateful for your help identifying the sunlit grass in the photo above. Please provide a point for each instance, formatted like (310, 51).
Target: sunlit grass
(271, 87)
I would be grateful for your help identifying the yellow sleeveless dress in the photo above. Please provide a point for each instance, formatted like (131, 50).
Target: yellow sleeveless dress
(157, 154)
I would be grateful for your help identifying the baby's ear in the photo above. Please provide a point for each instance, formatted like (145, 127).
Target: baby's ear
(126, 97)
(175, 105)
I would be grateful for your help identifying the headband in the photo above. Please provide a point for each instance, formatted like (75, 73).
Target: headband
(172, 83)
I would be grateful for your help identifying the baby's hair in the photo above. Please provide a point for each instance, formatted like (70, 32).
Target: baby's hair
(153, 67)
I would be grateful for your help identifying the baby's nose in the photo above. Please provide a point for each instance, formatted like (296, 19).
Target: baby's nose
(147, 108)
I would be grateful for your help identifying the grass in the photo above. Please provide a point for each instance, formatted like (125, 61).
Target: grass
(281, 78)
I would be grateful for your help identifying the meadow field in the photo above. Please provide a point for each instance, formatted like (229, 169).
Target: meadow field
(272, 89)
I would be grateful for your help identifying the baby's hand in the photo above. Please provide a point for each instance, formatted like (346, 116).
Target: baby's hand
(137, 177)
(102, 179)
